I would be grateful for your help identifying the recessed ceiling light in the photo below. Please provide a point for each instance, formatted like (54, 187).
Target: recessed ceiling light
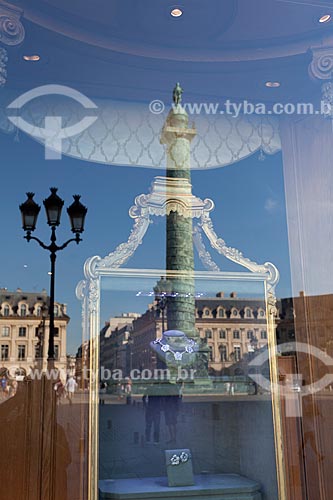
(273, 85)
(325, 18)
(176, 12)
(33, 57)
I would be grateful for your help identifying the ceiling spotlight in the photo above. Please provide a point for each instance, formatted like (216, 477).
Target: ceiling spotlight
(273, 85)
(33, 57)
(176, 12)
(325, 19)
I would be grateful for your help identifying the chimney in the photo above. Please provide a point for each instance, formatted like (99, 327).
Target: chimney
(220, 295)
(233, 295)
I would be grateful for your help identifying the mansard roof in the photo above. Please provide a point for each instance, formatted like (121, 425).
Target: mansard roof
(229, 303)
(30, 298)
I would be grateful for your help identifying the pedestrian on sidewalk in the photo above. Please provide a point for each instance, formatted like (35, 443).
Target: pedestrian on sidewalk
(71, 387)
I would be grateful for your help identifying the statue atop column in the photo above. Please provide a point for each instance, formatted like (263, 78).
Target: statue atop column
(177, 94)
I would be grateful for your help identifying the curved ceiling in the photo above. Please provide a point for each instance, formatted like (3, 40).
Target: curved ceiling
(134, 49)
(208, 30)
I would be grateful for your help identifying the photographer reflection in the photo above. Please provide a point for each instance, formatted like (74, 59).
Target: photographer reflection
(174, 351)
(171, 403)
(153, 406)
(161, 398)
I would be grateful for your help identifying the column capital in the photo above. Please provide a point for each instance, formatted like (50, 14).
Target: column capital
(176, 126)
(321, 66)
(321, 69)
(11, 28)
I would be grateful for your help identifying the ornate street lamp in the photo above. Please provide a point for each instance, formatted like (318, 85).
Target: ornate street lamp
(53, 207)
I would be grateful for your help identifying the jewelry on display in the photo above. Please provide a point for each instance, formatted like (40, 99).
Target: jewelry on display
(179, 459)
(178, 355)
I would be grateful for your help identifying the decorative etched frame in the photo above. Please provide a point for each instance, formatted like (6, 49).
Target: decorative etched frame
(166, 195)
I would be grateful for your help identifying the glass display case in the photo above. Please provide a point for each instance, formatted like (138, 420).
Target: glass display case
(158, 394)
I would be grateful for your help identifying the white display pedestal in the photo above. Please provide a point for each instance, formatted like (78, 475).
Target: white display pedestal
(206, 487)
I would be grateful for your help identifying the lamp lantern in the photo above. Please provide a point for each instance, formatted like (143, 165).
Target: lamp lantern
(53, 206)
(77, 214)
(29, 211)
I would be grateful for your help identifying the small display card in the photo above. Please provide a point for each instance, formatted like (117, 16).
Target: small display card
(179, 467)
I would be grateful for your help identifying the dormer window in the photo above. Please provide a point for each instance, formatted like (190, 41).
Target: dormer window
(261, 313)
(221, 313)
(6, 310)
(234, 313)
(56, 311)
(206, 312)
(248, 313)
(23, 310)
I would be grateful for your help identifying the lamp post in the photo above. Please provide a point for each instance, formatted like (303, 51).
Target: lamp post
(254, 346)
(53, 207)
(41, 337)
(254, 343)
(161, 290)
(130, 342)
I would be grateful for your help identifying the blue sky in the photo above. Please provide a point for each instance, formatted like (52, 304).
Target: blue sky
(249, 214)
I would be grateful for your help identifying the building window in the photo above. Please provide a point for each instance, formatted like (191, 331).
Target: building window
(234, 312)
(263, 334)
(236, 334)
(37, 351)
(39, 311)
(5, 331)
(6, 310)
(56, 311)
(237, 352)
(22, 331)
(21, 352)
(208, 334)
(4, 352)
(56, 332)
(261, 313)
(56, 352)
(210, 353)
(248, 313)
(221, 313)
(207, 312)
(250, 334)
(23, 310)
(222, 334)
(223, 352)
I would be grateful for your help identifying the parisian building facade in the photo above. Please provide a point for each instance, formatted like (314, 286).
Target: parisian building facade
(24, 332)
(116, 341)
(232, 327)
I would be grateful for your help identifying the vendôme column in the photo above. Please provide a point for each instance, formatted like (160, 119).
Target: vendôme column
(177, 136)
